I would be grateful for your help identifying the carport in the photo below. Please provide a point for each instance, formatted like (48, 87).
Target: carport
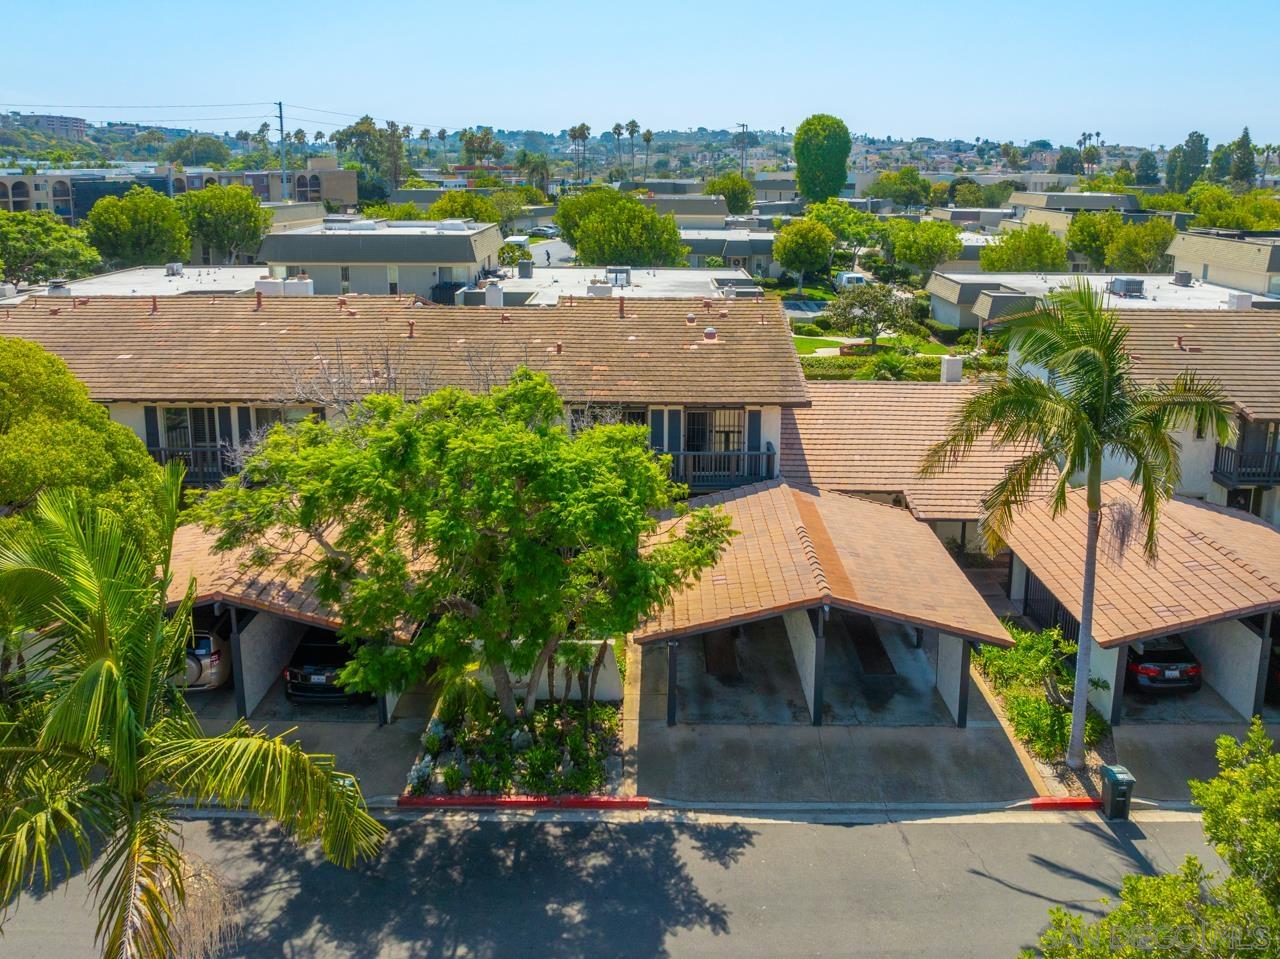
(1216, 584)
(270, 609)
(817, 596)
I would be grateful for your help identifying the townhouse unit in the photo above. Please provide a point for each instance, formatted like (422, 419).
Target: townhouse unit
(737, 248)
(351, 254)
(196, 377)
(961, 298)
(775, 186)
(1247, 260)
(700, 210)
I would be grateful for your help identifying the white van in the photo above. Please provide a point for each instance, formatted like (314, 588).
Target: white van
(848, 278)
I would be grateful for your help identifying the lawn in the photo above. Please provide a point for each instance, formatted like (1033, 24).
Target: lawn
(806, 345)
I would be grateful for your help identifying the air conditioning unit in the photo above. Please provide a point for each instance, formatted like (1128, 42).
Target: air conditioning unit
(1126, 286)
(1182, 278)
(1239, 301)
(173, 269)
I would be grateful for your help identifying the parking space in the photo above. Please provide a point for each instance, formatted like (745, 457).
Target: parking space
(1204, 705)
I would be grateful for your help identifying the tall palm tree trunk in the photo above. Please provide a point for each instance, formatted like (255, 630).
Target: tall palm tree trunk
(1080, 700)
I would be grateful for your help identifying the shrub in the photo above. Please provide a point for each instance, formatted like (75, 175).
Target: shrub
(432, 744)
(453, 778)
(822, 323)
(806, 329)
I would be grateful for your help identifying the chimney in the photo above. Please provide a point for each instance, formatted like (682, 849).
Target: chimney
(259, 306)
(952, 369)
(559, 347)
(411, 322)
(155, 304)
(709, 334)
(1179, 344)
(706, 305)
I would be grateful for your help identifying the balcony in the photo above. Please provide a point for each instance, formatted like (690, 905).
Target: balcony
(703, 471)
(1233, 468)
(205, 464)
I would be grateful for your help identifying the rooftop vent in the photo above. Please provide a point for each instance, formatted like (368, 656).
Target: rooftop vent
(709, 333)
(58, 287)
(173, 269)
(691, 318)
(952, 369)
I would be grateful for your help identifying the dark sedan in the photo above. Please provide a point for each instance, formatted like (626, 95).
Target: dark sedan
(313, 670)
(1162, 665)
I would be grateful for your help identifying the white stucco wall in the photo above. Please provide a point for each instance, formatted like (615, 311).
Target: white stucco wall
(1103, 665)
(1231, 654)
(771, 432)
(804, 647)
(1197, 463)
(953, 674)
(265, 647)
(1017, 585)
(951, 314)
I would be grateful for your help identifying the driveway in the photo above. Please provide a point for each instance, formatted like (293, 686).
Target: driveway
(1163, 756)
(561, 253)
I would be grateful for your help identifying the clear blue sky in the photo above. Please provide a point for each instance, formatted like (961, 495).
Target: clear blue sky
(1139, 72)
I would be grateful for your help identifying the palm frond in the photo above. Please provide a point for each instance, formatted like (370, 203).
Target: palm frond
(275, 778)
(1013, 491)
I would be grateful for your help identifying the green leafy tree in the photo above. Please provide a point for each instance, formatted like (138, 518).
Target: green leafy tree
(1175, 170)
(870, 310)
(968, 195)
(997, 194)
(739, 195)
(99, 746)
(1068, 161)
(1195, 160)
(905, 187)
(1191, 912)
(632, 234)
(511, 253)
(925, 244)
(54, 437)
(1220, 164)
(574, 209)
(1146, 172)
(1031, 249)
(534, 532)
(509, 204)
(939, 194)
(1140, 247)
(395, 211)
(36, 246)
(1244, 163)
(803, 246)
(142, 227)
(464, 204)
(1091, 233)
(1090, 156)
(198, 150)
(822, 146)
(1088, 408)
(852, 228)
(226, 219)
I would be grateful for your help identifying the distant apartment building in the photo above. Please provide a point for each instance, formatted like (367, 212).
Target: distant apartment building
(351, 254)
(321, 181)
(65, 128)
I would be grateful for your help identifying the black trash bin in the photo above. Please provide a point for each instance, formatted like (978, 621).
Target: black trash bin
(1117, 791)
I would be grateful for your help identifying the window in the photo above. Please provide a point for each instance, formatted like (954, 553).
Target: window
(265, 416)
(345, 276)
(190, 428)
(393, 279)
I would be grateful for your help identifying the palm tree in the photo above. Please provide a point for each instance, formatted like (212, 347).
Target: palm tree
(1088, 409)
(633, 128)
(97, 745)
(647, 137)
(617, 131)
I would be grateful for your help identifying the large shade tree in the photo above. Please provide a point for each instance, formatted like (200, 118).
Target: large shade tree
(36, 246)
(97, 745)
(822, 146)
(141, 228)
(1088, 408)
(228, 220)
(479, 516)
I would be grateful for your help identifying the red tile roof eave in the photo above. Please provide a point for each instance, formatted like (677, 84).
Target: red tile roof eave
(277, 609)
(1242, 612)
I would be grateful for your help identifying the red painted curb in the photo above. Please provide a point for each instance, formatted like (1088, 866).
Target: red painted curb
(524, 802)
(1065, 802)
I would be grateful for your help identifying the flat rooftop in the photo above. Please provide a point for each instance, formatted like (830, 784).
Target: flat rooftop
(550, 284)
(153, 281)
(1158, 289)
(358, 226)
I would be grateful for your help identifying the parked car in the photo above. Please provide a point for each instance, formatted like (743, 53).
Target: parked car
(312, 673)
(545, 231)
(848, 278)
(1162, 665)
(208, 663)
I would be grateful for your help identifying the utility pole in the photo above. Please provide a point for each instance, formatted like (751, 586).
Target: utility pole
(742, 148)
(284, 162)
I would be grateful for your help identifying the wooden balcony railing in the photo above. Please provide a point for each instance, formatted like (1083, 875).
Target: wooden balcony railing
(1234, 468)
(721, 470)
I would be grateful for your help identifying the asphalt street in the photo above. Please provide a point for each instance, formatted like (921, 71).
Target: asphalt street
(955, 887)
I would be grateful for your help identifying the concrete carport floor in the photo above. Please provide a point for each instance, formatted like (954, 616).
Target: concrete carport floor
(739, 757)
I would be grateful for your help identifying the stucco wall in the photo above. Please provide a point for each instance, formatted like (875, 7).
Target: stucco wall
(951, 314)
(953, 675)
(265, 647)
(1231, 654)
(1105, 664)
(771, 432)
(804, 647)
(1197, 463)
(1017, 586)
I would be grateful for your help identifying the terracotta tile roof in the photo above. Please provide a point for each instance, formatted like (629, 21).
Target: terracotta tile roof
(1240, 349)
(798, 547)
(279, 589)
(870, 438)
(1213, 564)
(224, 350)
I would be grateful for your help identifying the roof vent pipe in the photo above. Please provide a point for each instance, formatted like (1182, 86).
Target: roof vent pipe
(691, 318)
(622, 302)
(724, 314)
(709, 333)
(559, 347)
(155, 304)
(259, 306)
(411, 322)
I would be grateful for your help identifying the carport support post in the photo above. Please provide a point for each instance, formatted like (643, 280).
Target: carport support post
(237, 666)
(1264, 665)
(673, 647)
(819, 662)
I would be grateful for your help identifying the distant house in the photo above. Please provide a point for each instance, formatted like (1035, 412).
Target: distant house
(351, 254)
(775, 186)
(1245, 260)
(750, 250)
(700, 210)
